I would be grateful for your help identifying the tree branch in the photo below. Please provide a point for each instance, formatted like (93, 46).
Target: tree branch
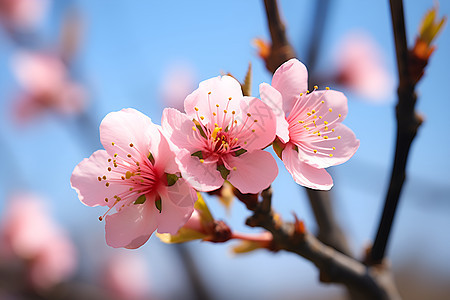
(281, 50)
(408, 123)
(329, 230)
(373, 282)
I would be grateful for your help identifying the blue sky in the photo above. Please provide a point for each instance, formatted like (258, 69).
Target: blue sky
(126, 51)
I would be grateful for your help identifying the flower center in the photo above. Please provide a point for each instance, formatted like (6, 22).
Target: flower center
(225, 132)
(313, 124)
(135, 171)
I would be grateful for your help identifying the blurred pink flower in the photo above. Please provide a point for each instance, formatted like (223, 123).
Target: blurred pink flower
(126, 276)
(362, 69)
(220, 137)
(28, 233)
(22, 14)
(310, 134)
(46, 86)
(178, 82)
(136, 176)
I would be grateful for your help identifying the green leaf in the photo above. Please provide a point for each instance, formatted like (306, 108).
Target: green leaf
(203, 210)
(151, 158)
(171, 179)
(199, 154)
(158, 204)
(183, 235)
(224, 172)
(240, 152)
(140, 200)
(278, 147)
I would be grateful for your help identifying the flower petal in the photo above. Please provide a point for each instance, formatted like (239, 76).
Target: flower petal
(203, 177)
(303, 173)
(254, 171)
(178, 128)
(337, 149)
(259, 125)
(126, 127)
(177, 206)
(274, 100)
(133, 225)
(212, 92)
(290, 79)
(84, 180)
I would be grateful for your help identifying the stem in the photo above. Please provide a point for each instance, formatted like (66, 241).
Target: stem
(281, 49)
(263, 237)
(408, 123)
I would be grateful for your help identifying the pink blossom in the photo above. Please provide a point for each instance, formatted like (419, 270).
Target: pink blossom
(361, 67)
(310, 134)
(220, 137)
(126, 276)
(136, 178)
(28, 233)
(46, 86)
(22, 14)
(178, 82)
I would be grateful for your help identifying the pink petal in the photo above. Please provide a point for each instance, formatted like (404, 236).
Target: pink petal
(178, 128)
(344, 148)
(84, 180)
(290, 79)
(126, 127)
(203, 177)
(177, 203)
(259, 134)
(133, 225)
(212, 92)
(332, 99)
(303, 173)
(254, 172)
(273, 99)
(164, 155)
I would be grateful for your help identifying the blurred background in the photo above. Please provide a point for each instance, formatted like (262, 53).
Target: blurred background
(65, 64)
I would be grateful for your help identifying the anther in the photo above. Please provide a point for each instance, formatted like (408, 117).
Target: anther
(194, 128)
(217, 105)
(225, 111)
(106, 199)
(331, 155)
(131, 145)
(256, 121)
(100, 218)
(327, 88)
(325, 137)
(99, 178)
(109, 169)
(196, 108)
(107, 184)
(229, 98)
(301, 94)
(129, 155)
(339, 137)
(234, 168)
(340, 115)
(316, 87)
(209, 93)
(104, 177)
(334, 148)
(233, 112)
(202, 160)
(202, 117)
(249, 114)
(113, 143)
(330, 110)
(109, 159)
(315, 151)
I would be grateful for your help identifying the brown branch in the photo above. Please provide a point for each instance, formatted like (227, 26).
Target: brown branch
(329, 230)
(372, 282)
(281, 50)
(408, 122)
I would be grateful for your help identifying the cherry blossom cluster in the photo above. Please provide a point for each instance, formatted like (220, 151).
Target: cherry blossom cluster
(148, 175)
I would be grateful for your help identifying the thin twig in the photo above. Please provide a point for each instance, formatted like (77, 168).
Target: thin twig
(408, 123)
(329, 230)
(372, 282)
(281, 50)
